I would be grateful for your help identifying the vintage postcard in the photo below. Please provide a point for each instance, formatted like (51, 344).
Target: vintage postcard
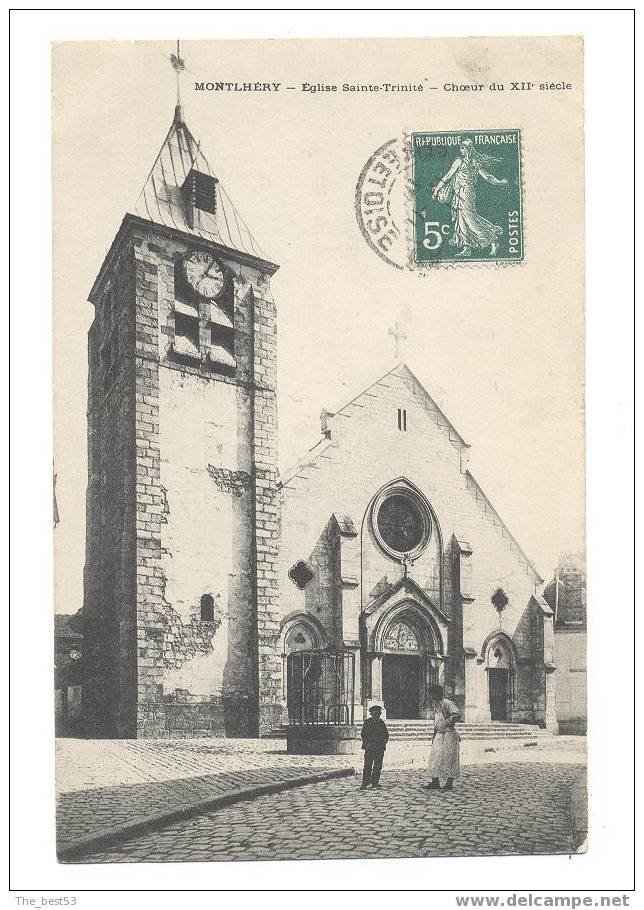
(319, 449)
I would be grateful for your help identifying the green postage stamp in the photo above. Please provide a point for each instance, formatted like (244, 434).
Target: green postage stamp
(467, 196)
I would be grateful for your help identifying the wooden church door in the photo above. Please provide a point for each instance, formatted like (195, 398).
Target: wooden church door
(498, 683)
(401, 685)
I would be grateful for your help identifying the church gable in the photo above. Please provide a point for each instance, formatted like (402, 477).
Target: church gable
(429, 571)
(397, 388)
(390, 415)
(395, 427)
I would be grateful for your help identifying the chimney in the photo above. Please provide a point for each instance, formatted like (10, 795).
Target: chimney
(325, 422)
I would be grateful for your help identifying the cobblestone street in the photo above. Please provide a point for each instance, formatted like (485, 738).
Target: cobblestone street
(509, 807)
(105, 783)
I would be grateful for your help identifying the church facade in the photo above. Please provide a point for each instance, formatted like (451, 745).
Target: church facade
(221, 599)
(410, 567)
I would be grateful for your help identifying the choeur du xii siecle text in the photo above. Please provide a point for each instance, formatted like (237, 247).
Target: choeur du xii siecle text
(314, 88)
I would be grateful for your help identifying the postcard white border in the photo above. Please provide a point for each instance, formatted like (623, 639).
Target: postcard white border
(609, 99)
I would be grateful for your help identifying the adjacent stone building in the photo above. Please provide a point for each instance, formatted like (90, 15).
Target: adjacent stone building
(68, 649)
(566, 595)
(220, 600)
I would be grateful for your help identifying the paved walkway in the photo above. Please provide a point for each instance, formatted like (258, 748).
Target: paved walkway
(498, 808)
(104, 785)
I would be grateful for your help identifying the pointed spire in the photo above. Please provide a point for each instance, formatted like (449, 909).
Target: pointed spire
(178, 65)
(182, 192)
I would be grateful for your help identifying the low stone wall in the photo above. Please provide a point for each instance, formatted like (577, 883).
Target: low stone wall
(573, 727)
(184, 716)
(321, 739)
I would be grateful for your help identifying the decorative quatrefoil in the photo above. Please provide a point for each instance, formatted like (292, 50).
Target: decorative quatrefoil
(500, 600)
(300, 574)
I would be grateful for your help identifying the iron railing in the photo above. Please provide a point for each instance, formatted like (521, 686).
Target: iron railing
(319, 687)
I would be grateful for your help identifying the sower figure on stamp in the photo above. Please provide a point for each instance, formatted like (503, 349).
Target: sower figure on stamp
(470, 230)
(445, 754)
(374, 742)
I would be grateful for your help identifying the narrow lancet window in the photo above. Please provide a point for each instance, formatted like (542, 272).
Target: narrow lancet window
(207, 608)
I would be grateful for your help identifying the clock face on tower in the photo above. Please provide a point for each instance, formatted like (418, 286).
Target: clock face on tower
(203, 274)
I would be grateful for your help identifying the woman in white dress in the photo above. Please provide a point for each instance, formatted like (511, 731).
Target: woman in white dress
(457, 188)
(444, 757)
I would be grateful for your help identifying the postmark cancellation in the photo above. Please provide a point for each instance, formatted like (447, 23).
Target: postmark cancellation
(444, 198)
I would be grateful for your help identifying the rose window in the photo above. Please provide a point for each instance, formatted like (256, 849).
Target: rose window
(401, 522)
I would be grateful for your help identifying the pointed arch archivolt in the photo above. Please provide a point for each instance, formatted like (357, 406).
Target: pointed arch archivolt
(420, 621)
(499, 640)
(301, 631)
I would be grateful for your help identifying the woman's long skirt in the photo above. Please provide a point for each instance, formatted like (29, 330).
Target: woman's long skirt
(444, 757)
(470, 228)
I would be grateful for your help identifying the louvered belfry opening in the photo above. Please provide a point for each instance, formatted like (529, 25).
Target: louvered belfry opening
(199, 194)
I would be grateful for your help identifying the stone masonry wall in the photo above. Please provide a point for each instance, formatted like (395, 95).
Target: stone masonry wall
(267, 506)
(570, 679)
(109, 654)
(181, 503)
(150, 599)
(207, 522)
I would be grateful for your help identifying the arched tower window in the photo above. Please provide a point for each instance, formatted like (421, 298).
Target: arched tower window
(207, 608)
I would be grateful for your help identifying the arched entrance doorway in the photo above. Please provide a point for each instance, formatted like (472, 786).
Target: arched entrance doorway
(500, 665)
(410, 663)
(302, 669)
(402, 672)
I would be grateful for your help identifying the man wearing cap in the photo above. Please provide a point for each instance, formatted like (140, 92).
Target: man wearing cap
(374, 743)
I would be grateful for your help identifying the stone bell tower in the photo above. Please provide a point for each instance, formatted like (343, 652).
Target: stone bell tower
(182, 504)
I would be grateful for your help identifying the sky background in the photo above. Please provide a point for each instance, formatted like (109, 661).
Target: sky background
(501, 350)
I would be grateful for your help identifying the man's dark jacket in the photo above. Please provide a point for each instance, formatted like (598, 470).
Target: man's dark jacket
(374, 734)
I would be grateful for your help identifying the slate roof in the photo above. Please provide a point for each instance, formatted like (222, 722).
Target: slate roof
(160, 199)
